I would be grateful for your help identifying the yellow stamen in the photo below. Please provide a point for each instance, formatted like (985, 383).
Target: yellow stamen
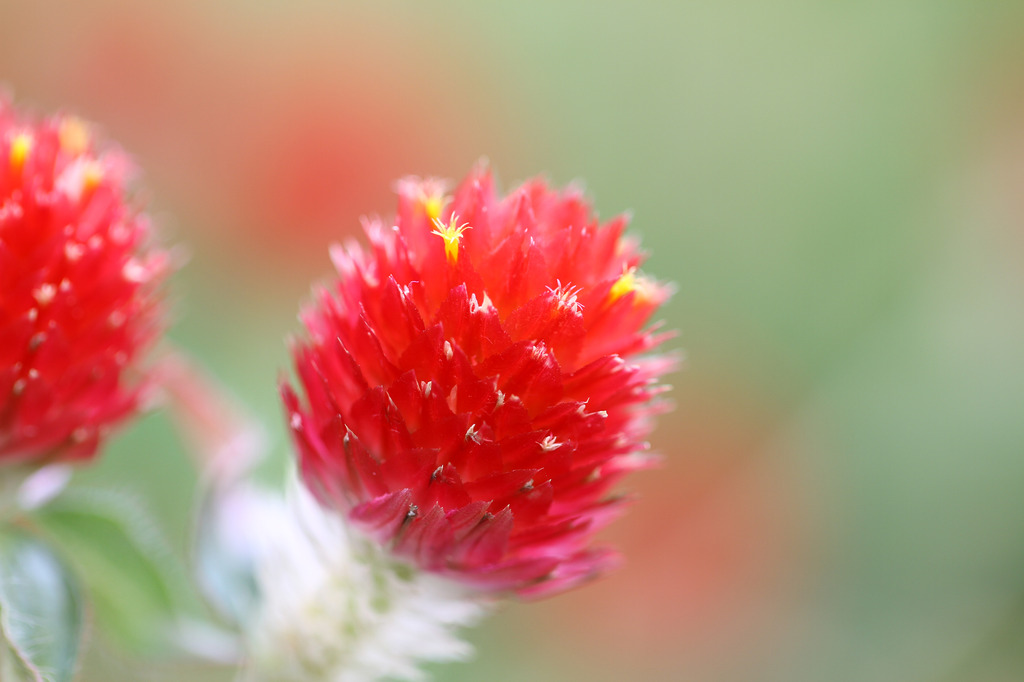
(21, 146)
(430, 196)
(432, 205)
(74, 135)
(451, 234)
(631, 282)
(92, 176)
(623, 285)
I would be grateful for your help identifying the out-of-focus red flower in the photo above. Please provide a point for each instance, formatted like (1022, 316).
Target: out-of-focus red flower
(78, 299)
(717, 549)
(296, 131)
(478, 379)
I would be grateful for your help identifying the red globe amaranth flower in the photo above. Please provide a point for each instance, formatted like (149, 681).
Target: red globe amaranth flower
(78, 285)
(476, 382)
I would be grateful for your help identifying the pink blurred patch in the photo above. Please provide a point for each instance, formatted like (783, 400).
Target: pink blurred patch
(279, 131)
(710, 546)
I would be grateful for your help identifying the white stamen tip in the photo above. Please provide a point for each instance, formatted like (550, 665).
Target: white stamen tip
(44, 294)
(549, 444)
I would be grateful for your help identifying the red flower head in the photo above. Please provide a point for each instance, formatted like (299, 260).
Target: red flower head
(476, 382)
(77, 290)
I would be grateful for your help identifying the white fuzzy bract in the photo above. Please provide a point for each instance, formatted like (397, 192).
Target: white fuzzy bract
(336, 607)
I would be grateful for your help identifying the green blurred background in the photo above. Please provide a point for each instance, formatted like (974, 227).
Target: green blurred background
(836, 188)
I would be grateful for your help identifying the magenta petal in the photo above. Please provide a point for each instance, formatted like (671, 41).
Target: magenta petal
(384, 515)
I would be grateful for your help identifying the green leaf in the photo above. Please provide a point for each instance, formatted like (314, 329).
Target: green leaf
(40, 612)
(122, 563)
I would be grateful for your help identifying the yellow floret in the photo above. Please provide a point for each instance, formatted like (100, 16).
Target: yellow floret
(74, 135)
(432, 205)
(21, 146)
(451, 234)
(92, 176)
(631, 282)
